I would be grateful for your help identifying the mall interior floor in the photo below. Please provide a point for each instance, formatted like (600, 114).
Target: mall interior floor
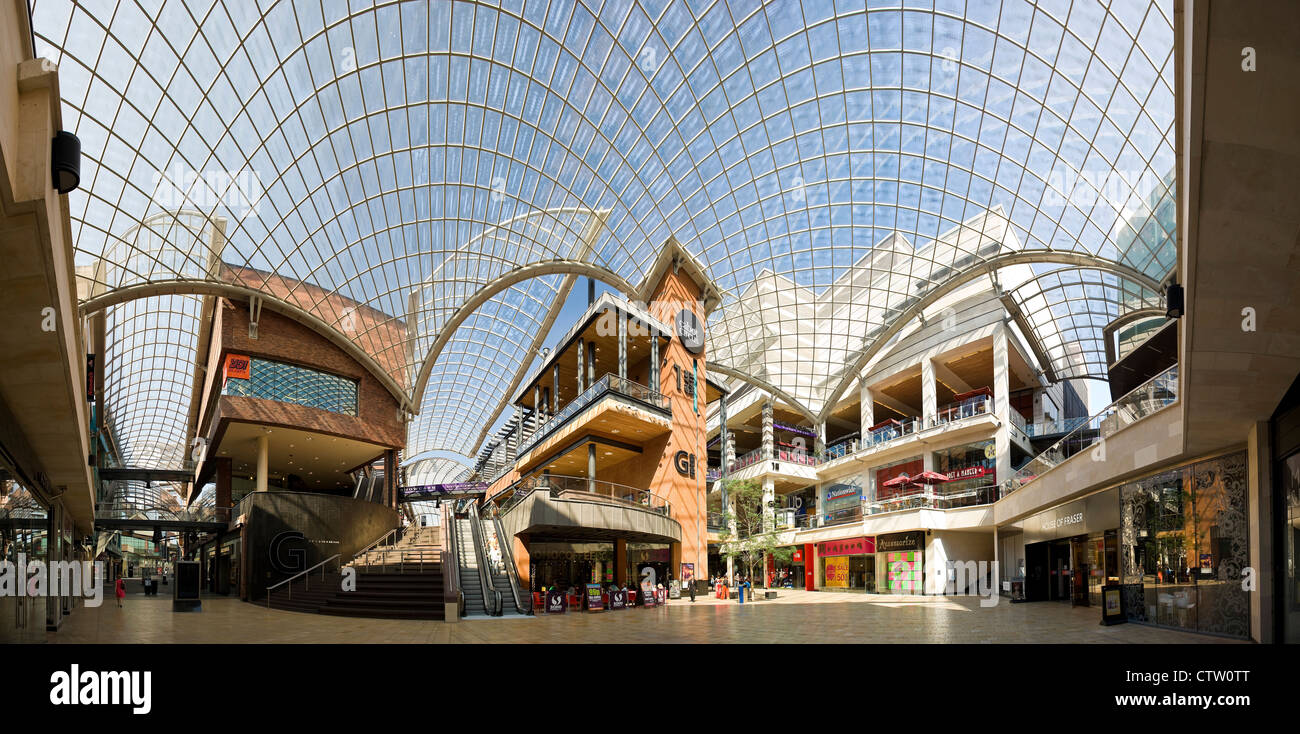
(797, 617)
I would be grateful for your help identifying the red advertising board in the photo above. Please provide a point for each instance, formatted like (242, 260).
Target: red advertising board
(848, 547)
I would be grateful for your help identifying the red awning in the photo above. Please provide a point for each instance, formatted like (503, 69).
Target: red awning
(930, 477)
(901, 480)
(886, 422)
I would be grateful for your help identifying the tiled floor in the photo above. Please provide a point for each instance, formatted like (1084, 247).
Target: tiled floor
(795, 617)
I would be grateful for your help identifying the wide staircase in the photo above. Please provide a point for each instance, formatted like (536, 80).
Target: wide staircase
(401, 580)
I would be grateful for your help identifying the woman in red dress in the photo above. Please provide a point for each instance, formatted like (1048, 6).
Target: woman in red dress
(119, 590)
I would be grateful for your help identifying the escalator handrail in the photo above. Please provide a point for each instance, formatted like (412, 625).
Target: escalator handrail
(491, 597)
(508, 559)
(451, 570)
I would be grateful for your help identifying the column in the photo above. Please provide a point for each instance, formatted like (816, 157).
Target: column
(654, 363)
(591, 364)
(809, 571)
(591, 291)
(769, 439)
(222, 477)
(582, 361)
(591, 467)
(819, 443)
(537, 406)
(555, 387)
(622, 345)
(1002, 402)
(724, 441)
(866, 414)
(929, 398)
(769, 498)
(263, 458)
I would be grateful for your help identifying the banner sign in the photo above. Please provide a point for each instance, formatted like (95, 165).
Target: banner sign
(555, 602)
(674, 589)
(837, 572)
(688, 573)
(850, 547)
(647, 594)
(914, 540)
(237, 367)
(842, 490)
(969, 472)
(798, 556)
(618, 599)
(594, 602)
(437, 491)
(90, 378)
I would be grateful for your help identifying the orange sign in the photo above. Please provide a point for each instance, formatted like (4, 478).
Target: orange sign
(237, 366)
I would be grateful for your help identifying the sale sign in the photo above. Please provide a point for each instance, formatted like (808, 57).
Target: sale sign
(594, 602)
(837, 572)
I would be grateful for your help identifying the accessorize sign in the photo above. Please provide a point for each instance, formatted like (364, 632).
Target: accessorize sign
(850, 547)
(910, 541)
(594, 602)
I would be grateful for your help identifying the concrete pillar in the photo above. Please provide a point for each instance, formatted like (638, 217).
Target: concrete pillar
(622, 345)
(1002, 402)
(654, 364)
(819, 443)
(769, 499)
(582, 361)
(222, 480)
(866, 413)
(555, 388)
(769, 436)
(263, 459)
(591, 467)
(537, 406)
(929, 396)
(591, 364)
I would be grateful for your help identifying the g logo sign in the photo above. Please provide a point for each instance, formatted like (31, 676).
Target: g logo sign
(685, 464)
(285, 558)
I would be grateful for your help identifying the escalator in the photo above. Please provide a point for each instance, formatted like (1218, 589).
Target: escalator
(501, 565)
(481, 598)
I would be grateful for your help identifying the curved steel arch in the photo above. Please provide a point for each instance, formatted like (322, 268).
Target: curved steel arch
(762, 384)
(280, 306)
(495, 286)
(988, 267)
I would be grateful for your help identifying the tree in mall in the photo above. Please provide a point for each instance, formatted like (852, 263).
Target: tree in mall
(753, 539)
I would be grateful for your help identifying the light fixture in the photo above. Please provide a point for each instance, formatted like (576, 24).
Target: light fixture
(65, 161)
(1174, 301)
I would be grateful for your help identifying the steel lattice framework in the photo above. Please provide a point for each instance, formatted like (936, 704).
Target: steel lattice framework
(831, 165)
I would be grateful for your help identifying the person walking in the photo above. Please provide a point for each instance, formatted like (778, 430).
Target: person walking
(119, 590)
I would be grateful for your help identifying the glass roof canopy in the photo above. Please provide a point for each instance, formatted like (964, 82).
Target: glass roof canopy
(409, 155)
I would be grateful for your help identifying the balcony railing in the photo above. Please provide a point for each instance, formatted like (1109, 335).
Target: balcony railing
(1048, 428)
(963, 410)
(936, 497)
(560, 485)
(608, 384)
(791, 456)
(753, 457)
(1151, 397)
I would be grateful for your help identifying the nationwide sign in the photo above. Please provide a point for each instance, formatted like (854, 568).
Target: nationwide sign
(439, 491)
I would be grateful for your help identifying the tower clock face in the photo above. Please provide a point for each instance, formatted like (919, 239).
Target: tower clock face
(690, 330)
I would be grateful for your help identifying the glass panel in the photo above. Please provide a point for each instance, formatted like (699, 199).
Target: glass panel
(287, 383)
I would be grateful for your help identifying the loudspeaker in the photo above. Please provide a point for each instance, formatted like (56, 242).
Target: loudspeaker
(1174, 301)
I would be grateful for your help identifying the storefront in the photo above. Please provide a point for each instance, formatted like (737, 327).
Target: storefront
(901, 496)
(901, 560)
(648, 561)
(565, 564)
(842, 501)
(848, 565)
(1069, 551)
(969, 469)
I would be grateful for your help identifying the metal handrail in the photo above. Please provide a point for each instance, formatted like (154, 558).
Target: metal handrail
(372, 546)
(484, 579)
(273, 587)
(453, 571)
(556, 483)
(606, 384)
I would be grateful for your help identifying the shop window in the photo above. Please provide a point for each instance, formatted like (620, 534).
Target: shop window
(1185, 542)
